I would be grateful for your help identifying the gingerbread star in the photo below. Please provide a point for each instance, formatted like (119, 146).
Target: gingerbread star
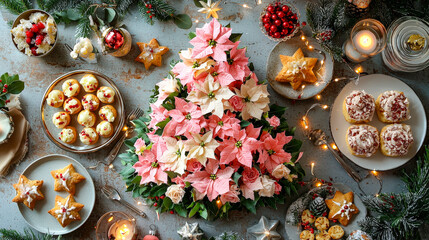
(66, 210)
(297, 69)
(28, 191)
(66, 179)
(151, 53)
(341, 207)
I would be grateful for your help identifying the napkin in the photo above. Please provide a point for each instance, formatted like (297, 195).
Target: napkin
(14, 150)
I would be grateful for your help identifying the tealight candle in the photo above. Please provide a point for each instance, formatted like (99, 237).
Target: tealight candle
(121, 230)
(365, 42)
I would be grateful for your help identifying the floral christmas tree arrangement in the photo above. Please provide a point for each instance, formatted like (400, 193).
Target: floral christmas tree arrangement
(212, 143)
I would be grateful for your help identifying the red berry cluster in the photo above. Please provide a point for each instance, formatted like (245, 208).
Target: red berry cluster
(34, 36)
(325, 36)
(279, 20)
(114, 39)
(149, 10)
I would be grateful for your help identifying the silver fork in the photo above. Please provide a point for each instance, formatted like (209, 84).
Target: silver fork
(136, 113)
(113, 194)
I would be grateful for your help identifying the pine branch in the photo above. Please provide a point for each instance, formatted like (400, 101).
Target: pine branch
(123, 5)
(28, 4)
(83, 28)
(61, 5)
(41, 4)
(9, 234)
(14, 6)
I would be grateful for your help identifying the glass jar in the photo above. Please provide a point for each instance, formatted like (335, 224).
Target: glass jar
(399, 55)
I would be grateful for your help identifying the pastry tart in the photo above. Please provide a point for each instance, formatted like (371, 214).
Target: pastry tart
(90, 102)
(396, 140)
(105, 129)
(88, 136)
(336, 232)
(61, 119)
(66, 210)
(28, 191)
(359, 235)
(362, 140)
(393, 107)
(108, 113)
(72, 105)
(106, 94)
(306, 235)
(89, 83)
(68, 135)
(71, 88)
(359, 107)
(86, 118)
(55, 98)
(323, 235)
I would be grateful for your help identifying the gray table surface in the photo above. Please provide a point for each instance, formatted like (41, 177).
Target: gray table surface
(135, 84)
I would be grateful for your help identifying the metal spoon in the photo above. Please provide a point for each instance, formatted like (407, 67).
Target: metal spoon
(113, 194)
(318, 137)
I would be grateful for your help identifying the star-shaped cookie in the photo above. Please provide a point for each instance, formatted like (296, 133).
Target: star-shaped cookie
(28, 191)
(151, 53)
(341, 207)
(297, 69)
(66, 210)
(66, 179)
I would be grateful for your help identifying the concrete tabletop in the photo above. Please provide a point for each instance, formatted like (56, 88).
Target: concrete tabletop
(136, 83)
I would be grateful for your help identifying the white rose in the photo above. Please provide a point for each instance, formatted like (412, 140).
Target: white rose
(268, 187)
(280, 171)
(175, 193)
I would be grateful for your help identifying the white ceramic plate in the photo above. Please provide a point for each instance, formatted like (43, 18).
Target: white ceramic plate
(292, 231)
(289, 47)
(39, 218)
(53, 132)
(376, 84)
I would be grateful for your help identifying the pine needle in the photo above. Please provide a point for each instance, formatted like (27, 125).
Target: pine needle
(14, 6)
(123, 5)
(83, 28)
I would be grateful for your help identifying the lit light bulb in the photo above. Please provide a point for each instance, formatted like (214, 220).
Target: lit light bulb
(334, 146)
(324, 146)
(318, 97)
(375, 173)
(318, 184)
(325, 107)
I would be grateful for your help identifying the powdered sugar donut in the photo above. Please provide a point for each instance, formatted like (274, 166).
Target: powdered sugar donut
(362, 140)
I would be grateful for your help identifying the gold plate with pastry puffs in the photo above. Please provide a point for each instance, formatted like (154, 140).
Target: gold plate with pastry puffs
(94, 98)
(66, 210)
(28, 191)
(66, 179)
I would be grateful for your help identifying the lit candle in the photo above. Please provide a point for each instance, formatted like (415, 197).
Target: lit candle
(365, 42)
(121, 230)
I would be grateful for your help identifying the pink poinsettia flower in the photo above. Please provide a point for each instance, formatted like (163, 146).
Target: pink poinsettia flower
(271, 151)
(186, 118)
(236, 63)
(232, 195)
(251, 182)
(158, 114)
(150, 169)
(240, 146)
(189, 68)
(158, 143)
(212, 182)
(224, 126)
(212, 40)
(140, 146)
(222, 75)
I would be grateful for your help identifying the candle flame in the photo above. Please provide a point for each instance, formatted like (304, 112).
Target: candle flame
(365, 41)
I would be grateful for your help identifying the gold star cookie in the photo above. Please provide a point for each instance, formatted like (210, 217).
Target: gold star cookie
(341, 207)
(66, 179)
(297, 69)
(28, 191)
(66, 210)
(151, 53)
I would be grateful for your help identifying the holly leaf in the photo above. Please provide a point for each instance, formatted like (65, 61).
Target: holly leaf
(191, 35)
(167, 203)
(235, 37)
(277, 110)
(182, 21)
(181, 211)
(249, 205)
(293, 146)
(15, 87)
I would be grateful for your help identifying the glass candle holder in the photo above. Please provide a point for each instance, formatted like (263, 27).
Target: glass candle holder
(367, 39)
(407, 47)
(117, 41)
(116, 226)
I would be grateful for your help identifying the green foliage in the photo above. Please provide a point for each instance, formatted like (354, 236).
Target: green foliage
(15, 6)
(399, 215)
(163, 11)
(14, 86)
(8, 234)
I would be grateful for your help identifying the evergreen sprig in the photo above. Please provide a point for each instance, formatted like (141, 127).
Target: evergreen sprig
(399, 215)
(15, 6)
(9, 234)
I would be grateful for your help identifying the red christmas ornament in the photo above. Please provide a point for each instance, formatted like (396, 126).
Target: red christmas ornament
(152, 233)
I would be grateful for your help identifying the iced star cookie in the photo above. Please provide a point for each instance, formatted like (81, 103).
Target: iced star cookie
(90, 102)
(86, 118)
(55, 98)
(66, 179)
(68, 135)
(28, 191)
(88, 136)
(151, 53)
(321, 223)
(72, 105)
(104, 129)
(106, 94)
(89, 83)
(71, 88)
(341, 207)
(336, 232)
(108, 113)
(61, 119)
(66, 210)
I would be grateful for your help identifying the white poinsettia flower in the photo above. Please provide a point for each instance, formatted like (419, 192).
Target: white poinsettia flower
(255, 99)
(174, 158)
(202, 147)
(211, 96)
(166, 87)
(198, 66)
